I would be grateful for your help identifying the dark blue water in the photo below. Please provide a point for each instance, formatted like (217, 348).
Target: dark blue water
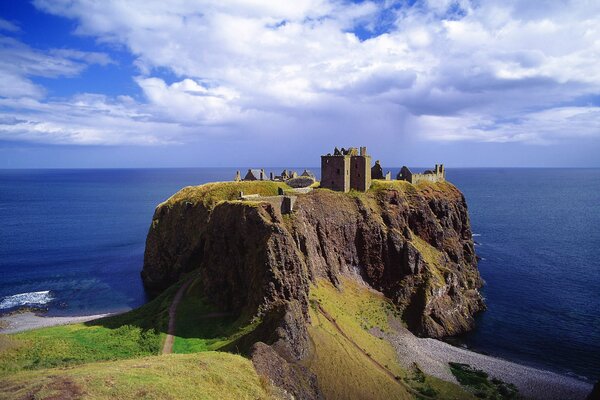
(79, 236)
(539, 243)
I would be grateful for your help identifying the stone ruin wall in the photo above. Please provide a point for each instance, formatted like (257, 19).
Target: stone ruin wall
(334, 173)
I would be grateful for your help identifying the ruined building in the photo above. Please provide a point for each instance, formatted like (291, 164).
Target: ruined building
(255, 175)
(377, 172)
(437, 175)
(346, 169)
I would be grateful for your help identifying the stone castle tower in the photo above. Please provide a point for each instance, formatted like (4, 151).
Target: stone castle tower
(346, 169)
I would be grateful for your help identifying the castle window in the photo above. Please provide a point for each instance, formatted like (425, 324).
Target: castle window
(338, 171)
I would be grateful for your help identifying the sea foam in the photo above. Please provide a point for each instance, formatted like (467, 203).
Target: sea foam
(22, 299)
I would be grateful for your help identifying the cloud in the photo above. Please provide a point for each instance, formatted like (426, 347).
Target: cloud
(544, 127)
(83, 120)
(445, 70)
(8, 26)
(19, 62)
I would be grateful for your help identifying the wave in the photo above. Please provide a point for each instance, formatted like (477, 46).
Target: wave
(23, 299)
(476, 234)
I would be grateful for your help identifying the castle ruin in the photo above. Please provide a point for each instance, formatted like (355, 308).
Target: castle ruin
(346, 169)
(437, 175)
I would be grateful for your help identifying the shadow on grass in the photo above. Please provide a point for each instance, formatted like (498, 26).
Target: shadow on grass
(200, 326)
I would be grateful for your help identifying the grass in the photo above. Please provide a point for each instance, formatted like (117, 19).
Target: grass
(133, 334)
(212, 193)
(346, 372)
(343, 371)
(200, 327)
(433, 259)
(481, 385)
(378, 185)
(207, 375)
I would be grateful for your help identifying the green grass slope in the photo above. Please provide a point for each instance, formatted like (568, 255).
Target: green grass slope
(208, 375)
(137, 333)
(201, 327)
(350, 362)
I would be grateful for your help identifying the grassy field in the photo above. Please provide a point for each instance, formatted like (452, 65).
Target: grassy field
(133, 334)
(209, 375)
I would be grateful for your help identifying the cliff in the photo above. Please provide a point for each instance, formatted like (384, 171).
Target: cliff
(412, 243)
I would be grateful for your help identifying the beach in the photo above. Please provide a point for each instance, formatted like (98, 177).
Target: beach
(433, 356)
(25, 321)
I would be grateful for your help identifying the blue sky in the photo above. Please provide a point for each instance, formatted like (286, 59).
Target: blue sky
(260, 83)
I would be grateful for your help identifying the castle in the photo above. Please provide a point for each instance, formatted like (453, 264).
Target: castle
(345, 170)
(350, 169)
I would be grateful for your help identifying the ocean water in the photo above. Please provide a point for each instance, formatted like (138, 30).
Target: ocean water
(72, 241)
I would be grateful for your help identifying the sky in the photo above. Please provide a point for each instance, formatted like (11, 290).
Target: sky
(202, 83)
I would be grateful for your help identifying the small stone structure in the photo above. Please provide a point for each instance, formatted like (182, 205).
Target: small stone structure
(283, 203)
(377, 171)
(290, 177)
(437, 175)
(346, 169)
(255, 175)
(308, 174)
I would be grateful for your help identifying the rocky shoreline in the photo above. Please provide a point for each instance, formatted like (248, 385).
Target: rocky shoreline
(433, 356)
(25, 321)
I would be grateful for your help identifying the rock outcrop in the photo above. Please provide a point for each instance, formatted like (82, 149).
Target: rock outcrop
(412, 243)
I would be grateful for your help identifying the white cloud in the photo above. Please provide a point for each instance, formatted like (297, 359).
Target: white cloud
(19, 62)
(451, 70)
(84, 120)
(8, 26)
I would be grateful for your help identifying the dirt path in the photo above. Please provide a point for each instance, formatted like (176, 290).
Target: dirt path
(168, 345)
(375, 362)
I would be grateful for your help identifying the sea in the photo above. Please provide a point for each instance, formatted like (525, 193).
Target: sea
(72, 243)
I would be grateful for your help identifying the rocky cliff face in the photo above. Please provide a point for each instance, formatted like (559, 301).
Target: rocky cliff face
(413, 243)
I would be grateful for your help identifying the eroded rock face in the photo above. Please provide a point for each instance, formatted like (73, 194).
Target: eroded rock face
(412, 243)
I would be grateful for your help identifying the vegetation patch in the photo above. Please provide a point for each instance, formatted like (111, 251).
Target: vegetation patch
(133, 334)
(201, 327)
(212, 193)
(434, 259)
(343, 370)
(481, 385)
(207, 375)
(373, 371)
(378, 185)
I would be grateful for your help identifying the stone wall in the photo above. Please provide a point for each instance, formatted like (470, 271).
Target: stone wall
(360, 173)
(335, 172)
